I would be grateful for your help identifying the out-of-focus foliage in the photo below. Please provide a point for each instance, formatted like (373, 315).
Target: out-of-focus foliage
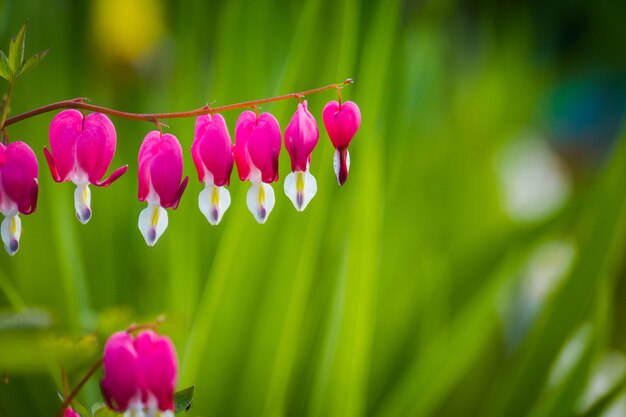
(473, 264)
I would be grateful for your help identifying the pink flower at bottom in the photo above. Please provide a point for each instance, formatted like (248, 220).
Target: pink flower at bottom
(139, 374)
(18, 190)
(160, 174)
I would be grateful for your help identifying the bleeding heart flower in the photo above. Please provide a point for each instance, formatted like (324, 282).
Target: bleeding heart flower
(81, 150)
(18, 190)
(139, 374)
(212, 153)
(257, 146)
(342, 120)
(160, 172)
(301, 136)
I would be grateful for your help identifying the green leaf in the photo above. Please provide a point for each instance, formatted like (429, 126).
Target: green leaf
(101, 410)
(32, 62)
(5, 69)
(182, 399)
(16, 50)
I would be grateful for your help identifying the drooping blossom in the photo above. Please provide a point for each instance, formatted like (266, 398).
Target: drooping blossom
(18, 190)
(81, 150)
(342, 120)
(257, 146)
(160, 174)
(301, 136)
(212, 153)
(139, 374)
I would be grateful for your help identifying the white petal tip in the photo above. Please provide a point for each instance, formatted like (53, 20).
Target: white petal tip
(12, 247)
(213, 202)
(151, 236)
(11, 229)
(300, 187)
(82, 203)
(152, 223)
(83, 215)
(260, 200)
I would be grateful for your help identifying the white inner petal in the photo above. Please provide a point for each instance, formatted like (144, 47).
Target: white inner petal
(260, 200)
(213, 202)
(152, 223)
(300, 187)
(337, 163)
(82, 202)
(11, 229)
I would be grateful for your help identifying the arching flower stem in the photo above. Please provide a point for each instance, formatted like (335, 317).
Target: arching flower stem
(80, 103)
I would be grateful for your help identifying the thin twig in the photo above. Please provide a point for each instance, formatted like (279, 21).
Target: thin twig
(151, 117)
(68, 399)
(6, 104)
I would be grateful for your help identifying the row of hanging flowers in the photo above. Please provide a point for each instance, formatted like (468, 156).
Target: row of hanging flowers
(82, 148)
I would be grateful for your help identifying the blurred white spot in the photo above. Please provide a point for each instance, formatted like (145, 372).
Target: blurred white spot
(534, 181)
(547, 265)
(541, 275)
(570, 355)
(617, 408)
(606, 373)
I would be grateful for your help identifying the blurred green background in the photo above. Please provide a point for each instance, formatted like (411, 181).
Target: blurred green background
(473, 264)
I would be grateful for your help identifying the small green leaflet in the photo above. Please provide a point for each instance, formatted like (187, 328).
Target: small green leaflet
(16, 50)
(182, 399)
(14, 66)
(5, 69)
(32, 62)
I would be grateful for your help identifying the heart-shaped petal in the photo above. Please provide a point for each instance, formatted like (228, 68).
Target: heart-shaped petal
(341, 121)
(212, 149)
(257, 146)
